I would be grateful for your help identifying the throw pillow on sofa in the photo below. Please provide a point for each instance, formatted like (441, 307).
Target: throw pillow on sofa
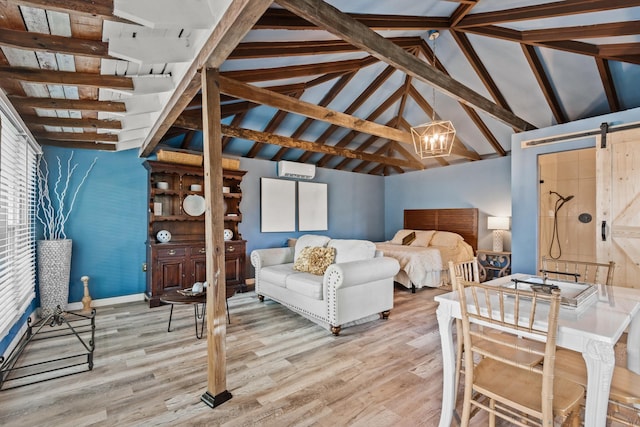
(314, 260)
(309, 240)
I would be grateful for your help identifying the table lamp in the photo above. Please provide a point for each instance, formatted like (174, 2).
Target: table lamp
(497, 224)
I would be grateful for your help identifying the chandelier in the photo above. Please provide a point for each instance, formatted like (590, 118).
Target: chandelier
(434, 139)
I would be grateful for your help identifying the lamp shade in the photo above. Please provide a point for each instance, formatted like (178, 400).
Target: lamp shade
(498, 223)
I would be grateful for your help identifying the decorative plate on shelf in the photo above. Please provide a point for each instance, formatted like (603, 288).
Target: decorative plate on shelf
(194, 205)
(163, 236)
(228, 234)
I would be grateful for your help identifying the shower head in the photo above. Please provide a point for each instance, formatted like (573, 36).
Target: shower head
(564, 199)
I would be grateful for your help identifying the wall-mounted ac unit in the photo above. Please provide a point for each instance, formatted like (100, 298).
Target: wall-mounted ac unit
(296, 170)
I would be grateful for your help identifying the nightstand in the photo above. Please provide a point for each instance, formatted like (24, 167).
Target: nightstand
(492, 265)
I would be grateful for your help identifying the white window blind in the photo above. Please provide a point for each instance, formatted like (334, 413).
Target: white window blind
(17, 230)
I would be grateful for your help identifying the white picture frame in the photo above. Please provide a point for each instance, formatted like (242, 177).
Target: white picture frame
(312, 206)
(277, 205)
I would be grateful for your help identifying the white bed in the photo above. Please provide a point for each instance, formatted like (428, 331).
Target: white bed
(424, 261)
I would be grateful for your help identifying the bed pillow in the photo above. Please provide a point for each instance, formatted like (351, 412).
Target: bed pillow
(445, 238)
(314, 260)
(400, 234)
(423, 237)
(409, 238)
(352, 250)
(309, 240)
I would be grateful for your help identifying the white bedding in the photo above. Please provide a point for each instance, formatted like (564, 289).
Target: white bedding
(425, 266)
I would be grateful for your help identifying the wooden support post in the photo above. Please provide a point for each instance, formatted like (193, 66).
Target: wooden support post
(214, 224)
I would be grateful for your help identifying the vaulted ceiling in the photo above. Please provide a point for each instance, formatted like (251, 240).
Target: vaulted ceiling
(337, 84)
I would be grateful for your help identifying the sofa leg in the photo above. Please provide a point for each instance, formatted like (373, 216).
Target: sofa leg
(385, 314)
(335, 330)
(413, 288)
(261, 298)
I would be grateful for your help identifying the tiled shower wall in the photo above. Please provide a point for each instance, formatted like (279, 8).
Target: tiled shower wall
(568, 173)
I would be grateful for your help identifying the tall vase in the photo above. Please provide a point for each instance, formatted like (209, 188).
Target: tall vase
(54, 269)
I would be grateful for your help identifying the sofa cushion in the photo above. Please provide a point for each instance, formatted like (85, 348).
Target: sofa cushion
(309, 240)
(305, 284)
(352, 250)
(314, 260)
(276, 274)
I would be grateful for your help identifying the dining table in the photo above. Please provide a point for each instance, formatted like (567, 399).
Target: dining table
(592, 328)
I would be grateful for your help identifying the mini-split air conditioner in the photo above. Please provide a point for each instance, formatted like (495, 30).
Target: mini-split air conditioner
(296, 170)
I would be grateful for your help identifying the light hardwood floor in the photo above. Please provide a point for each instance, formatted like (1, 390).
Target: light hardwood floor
(282, 370)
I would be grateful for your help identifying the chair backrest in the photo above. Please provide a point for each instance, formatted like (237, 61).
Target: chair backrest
(580, 271)
(514, 312)
(465, 270)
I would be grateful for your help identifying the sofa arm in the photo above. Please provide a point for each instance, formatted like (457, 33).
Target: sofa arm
(358, 272)
(272, 256)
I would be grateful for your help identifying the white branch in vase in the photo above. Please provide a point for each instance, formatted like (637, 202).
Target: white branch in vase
(54, 217)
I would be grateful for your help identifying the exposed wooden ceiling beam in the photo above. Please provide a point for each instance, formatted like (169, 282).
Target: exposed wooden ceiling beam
(70, 78)
(236, 22)
(543, 81)
(78, 144)
(304, 70)
(461, 11)
(279, 19)
(85, 123)
(484, 75)
(253, 135)
(612, 29)
(54, 44)
(608, 84)
(273, 99)
(546, 10)
(578, 47)
(68, 104)
(254, 50)
(352, 31)
(80, 136)
(102, 9)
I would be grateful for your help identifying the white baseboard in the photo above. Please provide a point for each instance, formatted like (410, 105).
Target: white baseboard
(107, 301)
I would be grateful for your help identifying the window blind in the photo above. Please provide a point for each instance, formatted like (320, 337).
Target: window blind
(17, 227)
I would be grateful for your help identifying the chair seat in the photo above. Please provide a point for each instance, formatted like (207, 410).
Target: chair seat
(522, 389)
(520, 354)
(625, 384)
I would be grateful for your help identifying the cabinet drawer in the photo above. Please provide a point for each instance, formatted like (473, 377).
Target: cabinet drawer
(234, 247)
(169, 252)
(197, 250)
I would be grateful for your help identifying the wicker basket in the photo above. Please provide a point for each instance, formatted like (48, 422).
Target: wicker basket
(232, 164)
(180, 157)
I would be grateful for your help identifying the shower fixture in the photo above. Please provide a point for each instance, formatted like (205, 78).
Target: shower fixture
(555, 234)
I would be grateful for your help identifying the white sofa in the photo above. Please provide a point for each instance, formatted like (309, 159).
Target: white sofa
(358, 285)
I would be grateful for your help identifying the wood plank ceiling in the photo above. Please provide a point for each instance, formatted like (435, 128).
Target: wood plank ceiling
(336, 84)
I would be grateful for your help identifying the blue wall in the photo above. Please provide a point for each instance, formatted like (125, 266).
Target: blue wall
(485, 185)
(355, 203)
(108, 224)
(524, 180)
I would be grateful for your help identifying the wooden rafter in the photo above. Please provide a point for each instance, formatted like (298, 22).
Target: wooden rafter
(78, 137)
(608, 84)
(544, 83)
(68, 104)
(85, 123)
(612, 29)
(546, 10)
(461, 11)
(54, 44)
(279, 19)
(102, 9)
(69, 78)
(352, 31)
(78, 144)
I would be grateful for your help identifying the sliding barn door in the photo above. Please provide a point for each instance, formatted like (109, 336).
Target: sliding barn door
(618, 195)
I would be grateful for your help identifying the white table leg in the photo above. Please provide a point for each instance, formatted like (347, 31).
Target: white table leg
(445, 321)
(600, 360)
(633, 345)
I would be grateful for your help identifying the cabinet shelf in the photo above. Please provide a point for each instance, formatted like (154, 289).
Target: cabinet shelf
(178, 218)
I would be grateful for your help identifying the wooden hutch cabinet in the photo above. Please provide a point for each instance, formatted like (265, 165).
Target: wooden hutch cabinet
(180, 262)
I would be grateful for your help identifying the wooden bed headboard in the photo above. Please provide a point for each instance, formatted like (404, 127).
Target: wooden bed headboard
(463, 221)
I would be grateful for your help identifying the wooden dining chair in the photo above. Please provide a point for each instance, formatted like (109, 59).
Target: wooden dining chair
(578, 271)
(516, 392)
(625, 386)
(469, 271)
